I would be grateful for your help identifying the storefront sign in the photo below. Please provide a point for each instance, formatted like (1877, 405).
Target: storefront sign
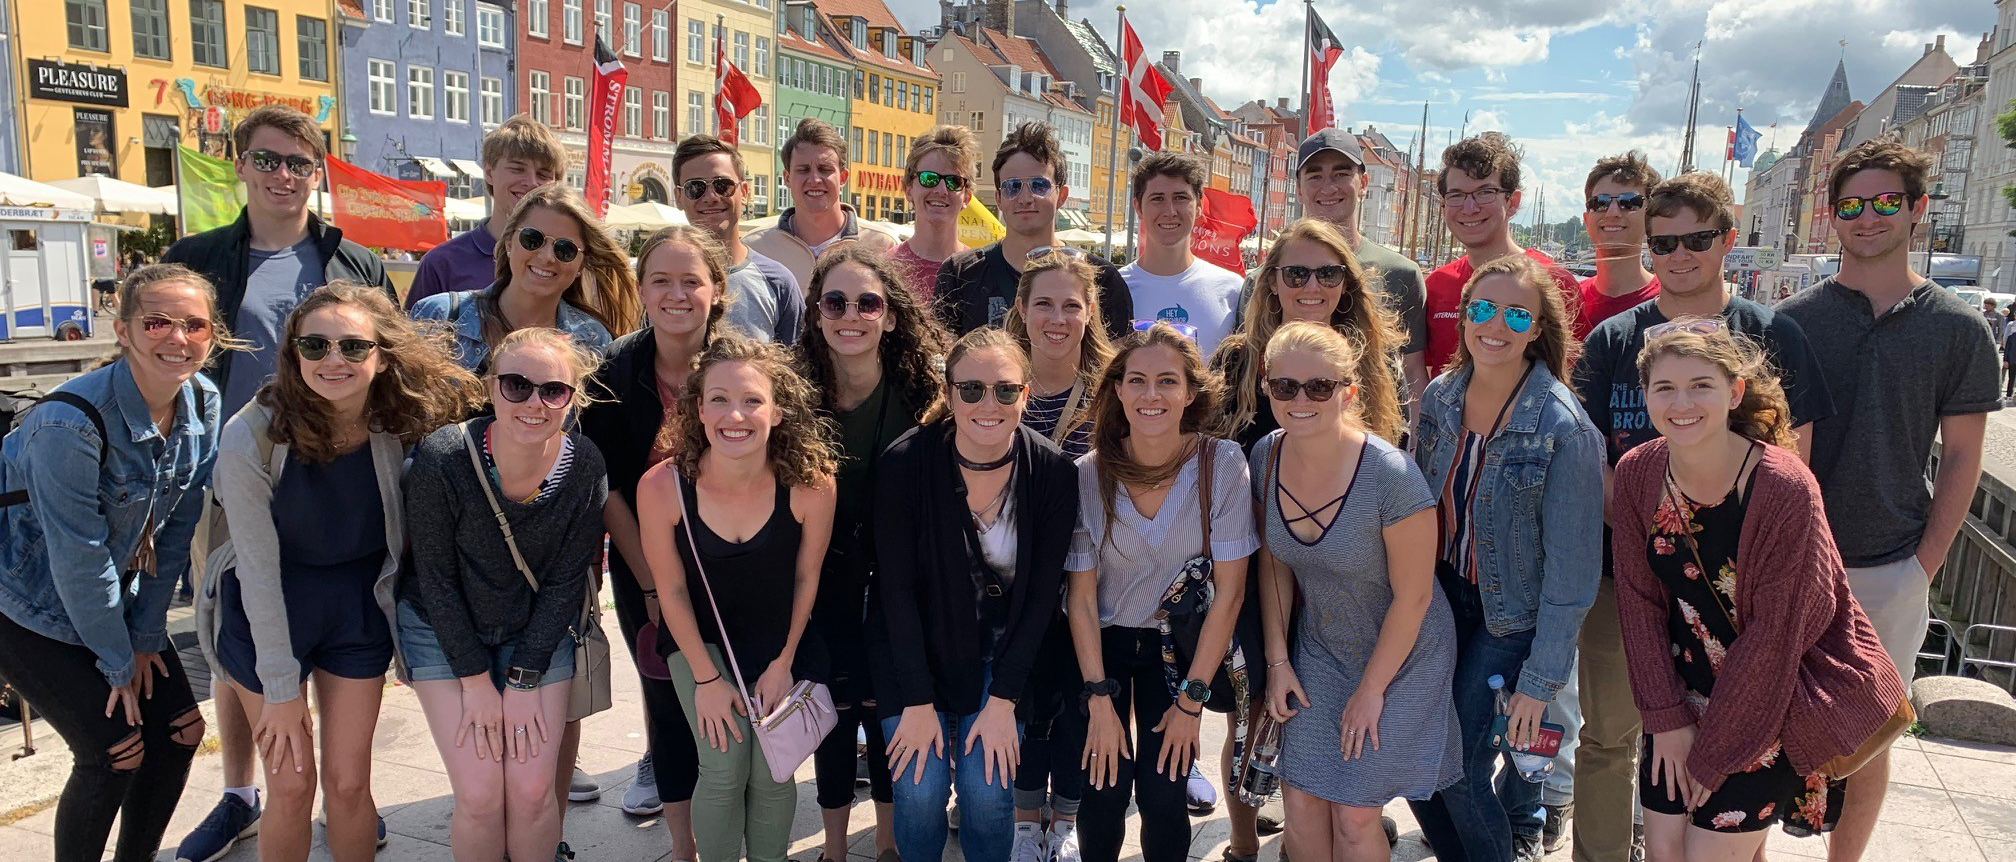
(95, 140)
(241, 101)
(76, 82)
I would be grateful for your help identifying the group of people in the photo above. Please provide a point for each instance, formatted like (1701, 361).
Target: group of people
(1023, 516)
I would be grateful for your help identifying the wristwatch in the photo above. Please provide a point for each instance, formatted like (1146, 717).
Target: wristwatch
(1197, 690)
(1102, 688)
(522, 679)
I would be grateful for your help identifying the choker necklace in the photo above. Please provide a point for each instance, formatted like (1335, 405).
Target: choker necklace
(984, 466)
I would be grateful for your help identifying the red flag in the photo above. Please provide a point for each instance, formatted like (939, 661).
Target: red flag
(1729, 154)
(603, 102)
(1223, 220)
(379, 211)
(1324, 51)
(1144, 92)
(734, 96)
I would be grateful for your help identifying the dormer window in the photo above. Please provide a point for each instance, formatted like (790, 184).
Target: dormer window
(808, 23)
(859, 33)
(889, 44)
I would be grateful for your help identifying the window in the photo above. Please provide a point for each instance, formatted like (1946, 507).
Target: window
(661, 43)
(493, 101)
(419, 92)
(87, 25)
(382, 74)
(570, 21)
(633, 29)
(759, 125)
(860, 84)
(633, 112)
(604, 19)
(977, 121)
(858, 33)
(889, 44)
(762, 56)
(696, 41)
(542, 97)
(902, 96)
(382, 10)
(874, 146)
(889, 150)
(489, 26)
(920, 96)
(150, 29)
(875, 89)
(452, 17)
(661, 115)
(741, 49)
(574, 103)
(455, 96)
(420, 14)
(537, 14)
(958, 82)
(696, 113)
(759, 194)
(311, 41)
(857, 149)
(262, 40)
(783, 128)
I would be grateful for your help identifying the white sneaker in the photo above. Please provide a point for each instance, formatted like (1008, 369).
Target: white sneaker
(642, 797)
(1028, 846)
(1063, 841)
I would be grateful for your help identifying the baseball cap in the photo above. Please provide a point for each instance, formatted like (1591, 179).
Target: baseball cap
(1337, 140)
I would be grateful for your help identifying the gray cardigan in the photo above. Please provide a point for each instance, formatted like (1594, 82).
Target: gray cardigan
(242, 482)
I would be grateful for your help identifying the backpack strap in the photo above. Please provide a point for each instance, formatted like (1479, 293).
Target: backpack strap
(90, 411)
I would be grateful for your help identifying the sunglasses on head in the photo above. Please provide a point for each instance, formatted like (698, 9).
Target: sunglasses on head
(517, 388)
(313, 348)
(1183, 329)
(1698, 241)
(1698, 326)
(1629, 202)
(696, 189)
(870, 306)
(1317, 388)
(1042, 251)
(156, 325)
(1004, 393)
(1885, 204)
(1039, 186)
(1297, 276)
(267, 161)
(953, 182)
(1480, 312)
(533, 239)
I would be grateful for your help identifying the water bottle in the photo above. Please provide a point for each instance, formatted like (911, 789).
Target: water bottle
(1531, 767)
(1259, 778)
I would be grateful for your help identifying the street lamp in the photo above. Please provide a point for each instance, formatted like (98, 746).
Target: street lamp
(1938, 195)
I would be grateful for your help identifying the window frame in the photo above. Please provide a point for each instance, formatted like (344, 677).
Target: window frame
(454, 17)
(77, 24)
(538, 17)
(420, 89)
(661, 115)
(633, 30)
(661, 35)
(539, 89)
(696, 41)
(449, 98)
(487, 15)
(382, 91)
(696, 112)
(490, 93)
(420, 14)
(219, 52)
(573, 103)
(570, 21)
(266, 61)
(315, 50)
(151, 24)
(762, 57)
(633, 112)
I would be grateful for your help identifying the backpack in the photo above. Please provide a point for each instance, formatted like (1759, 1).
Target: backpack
(90, 411)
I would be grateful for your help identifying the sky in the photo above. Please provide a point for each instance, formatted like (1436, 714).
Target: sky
(1570, 80)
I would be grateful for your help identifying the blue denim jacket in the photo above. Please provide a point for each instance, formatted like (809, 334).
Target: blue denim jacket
(63, 552)
(1538, 511)
(471, 349)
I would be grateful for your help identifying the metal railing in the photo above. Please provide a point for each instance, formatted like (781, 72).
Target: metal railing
(1975, 593)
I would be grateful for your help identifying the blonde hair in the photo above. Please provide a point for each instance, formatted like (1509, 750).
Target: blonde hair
(1763, 414)
(579, 361)
(955, 142)
(606, 289)
(984, 338)
(1329, 345)
(1555, 345)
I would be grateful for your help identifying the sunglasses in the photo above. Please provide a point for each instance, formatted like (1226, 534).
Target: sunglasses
(313, 348)
(157, 325)
(1885, 204)
(696, 189)
(267, 161)
(870, 306)
(1042, 251)
(516, 388)
(533, 239)
(1480, 312)
(1012, 189)
(1318, 389)
(1700, 240)
(953, 182)
(1183, 329)
(1698, 326)
(1629, 202)
(1004, 393)
(1297, 276)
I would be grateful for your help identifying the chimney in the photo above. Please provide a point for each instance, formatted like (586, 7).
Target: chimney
(1281, 103)
(1173, 60)
(945, 14)
(1940, 45)
(1197, 84)
(1001, 15)
(1064, 10)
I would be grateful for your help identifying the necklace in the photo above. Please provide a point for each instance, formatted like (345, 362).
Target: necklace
(984, 466)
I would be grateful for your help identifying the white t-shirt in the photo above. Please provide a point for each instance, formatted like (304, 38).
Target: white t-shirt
(1205, 296)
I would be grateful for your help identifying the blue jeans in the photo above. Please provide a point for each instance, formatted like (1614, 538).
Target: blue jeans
(1467, 820)
(986, 811)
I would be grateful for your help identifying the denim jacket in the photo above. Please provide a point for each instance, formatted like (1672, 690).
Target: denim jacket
(1538, 511)
(63, 553)
(470, 348)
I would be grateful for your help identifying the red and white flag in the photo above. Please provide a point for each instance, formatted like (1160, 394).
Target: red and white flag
(1324, 51)
(1144, 91)
(604, 100)
(734, 96)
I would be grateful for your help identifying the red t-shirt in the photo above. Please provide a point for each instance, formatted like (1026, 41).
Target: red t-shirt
(919, 272)
(1445, 292)
(1598, 306)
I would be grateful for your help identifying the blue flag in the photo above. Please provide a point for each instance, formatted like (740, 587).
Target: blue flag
(1746, 141)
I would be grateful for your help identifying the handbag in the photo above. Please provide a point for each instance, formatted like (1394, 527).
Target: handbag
(791, 732)
(588, 691)
(1181, 619)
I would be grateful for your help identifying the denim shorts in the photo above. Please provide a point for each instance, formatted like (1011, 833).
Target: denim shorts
(427, 662)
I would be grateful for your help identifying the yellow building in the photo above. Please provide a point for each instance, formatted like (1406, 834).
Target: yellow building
(750, 37)
(894, 100)
(111, 86)
(1102, 143)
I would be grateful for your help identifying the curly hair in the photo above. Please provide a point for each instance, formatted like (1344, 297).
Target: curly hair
(162, 275)
(1911, 166)
(1480, 156)
(804, 446)
(1109, 416)
(606, 289)
(1038, 141)
(1361, 315)
(907, 351)
(1555, 346)
(1330, 345)
(1763, 414)
(420, 388)
(1630, 169)
(984, 338)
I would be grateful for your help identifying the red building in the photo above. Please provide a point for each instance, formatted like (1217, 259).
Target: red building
(556, 66)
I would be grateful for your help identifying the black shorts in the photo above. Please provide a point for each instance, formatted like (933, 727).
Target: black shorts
(1746, 801)
(335, 625)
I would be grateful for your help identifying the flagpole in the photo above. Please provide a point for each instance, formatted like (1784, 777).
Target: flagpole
(720, 57)
(1113, 143)
(1308, 27)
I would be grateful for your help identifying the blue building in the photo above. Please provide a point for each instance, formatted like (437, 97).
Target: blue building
(10, 131)
(423, 81)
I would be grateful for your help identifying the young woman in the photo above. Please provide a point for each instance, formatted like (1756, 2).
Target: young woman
(1752, 674)
(557, 267)
(1364, 693)
(488, 619)
(868, 350)
(308, 475)
(733, 523)
(682, 273)
(973, 518)
(1055, 307)
(1512, 459)
(1145, 564)
(938, 178)
(100, 490)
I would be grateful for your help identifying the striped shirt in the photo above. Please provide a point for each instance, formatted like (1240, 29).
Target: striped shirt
(1044, 411)
(1453, 510)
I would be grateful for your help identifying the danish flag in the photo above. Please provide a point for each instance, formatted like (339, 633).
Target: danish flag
(1324, 51)
(734, 96)
(1144, 91)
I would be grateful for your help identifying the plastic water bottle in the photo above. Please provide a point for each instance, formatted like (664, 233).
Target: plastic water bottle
(1260, 776)
(1531, 767)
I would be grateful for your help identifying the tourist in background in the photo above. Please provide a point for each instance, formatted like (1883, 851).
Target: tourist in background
(938, 178)
(519, 156)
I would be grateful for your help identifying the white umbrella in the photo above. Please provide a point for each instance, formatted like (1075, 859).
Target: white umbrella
(119, 196)
(23, 192)
(468, 209)
(647, 215)
(1080, 236)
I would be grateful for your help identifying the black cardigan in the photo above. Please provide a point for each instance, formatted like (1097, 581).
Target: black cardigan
(624, 413)
(926, 587)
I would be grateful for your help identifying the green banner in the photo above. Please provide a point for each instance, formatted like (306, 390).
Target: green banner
(207, 191)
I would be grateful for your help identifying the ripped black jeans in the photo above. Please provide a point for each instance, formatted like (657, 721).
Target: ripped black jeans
(134, 774)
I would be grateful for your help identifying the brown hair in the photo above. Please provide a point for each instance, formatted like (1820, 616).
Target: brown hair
(161, 275)
(1699, 192)
(975, 341)
(522, 137)
(906, 351)
(701, 146)
(1880, 154)
(295, 124)
(804, 449)
(1763, 414)
(1302, 336)
(419, 389)
(1630, 169)
(1555, 347)
(580, 361)
(1037, 141)
(711, 251)
(1094, 348)
(955, 142)
(606, 289)
(814, 132)
(1189, 169)
(1115, 466)
(1480, 156)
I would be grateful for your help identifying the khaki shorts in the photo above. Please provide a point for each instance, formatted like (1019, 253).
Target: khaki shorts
(1897, 598)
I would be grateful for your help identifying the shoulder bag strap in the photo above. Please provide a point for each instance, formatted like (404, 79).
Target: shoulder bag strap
(686, 517)
(1686, 513)
(1205, 498)
(504, 524)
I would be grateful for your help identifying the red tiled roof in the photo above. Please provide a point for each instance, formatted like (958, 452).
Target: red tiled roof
(351, 8)
(1020, 52)
(820, 47)
(875, 11)
(1059, 101)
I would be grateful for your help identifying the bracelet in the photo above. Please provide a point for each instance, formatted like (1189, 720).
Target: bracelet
(1274, 664)
(1199, 711)
(712, 679)
(650, 594)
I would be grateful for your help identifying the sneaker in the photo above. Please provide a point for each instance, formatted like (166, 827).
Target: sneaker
(1392, 830)
(952, 818)
(1526, 848)
(231, 820)
(382, 837)
(1202, 796)
(564, 853)
(1064, 841)
(642, 797)
(1637, 842)
(582, 787)
(1271, 814)
(1555, 832)
(1028, 844)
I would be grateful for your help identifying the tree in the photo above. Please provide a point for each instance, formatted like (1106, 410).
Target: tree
(2005, 127)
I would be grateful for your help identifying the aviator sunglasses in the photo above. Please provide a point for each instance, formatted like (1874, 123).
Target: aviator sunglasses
(695, 189)
(313, 348)
(532, 239)
(1039, 186)
(1885, 204)
(517, 388)
(1628, 202)
(267, 161)
(156, 325)
(1480, 312)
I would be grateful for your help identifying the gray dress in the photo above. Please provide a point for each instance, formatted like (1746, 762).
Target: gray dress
(1345, 596)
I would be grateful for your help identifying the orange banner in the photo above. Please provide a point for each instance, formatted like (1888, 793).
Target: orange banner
(1223, 221)
(378, 211)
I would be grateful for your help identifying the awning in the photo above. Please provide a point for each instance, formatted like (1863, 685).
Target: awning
(468, 168)
(435, 167)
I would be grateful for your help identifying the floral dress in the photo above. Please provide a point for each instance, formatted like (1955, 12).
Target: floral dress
(1700, 629)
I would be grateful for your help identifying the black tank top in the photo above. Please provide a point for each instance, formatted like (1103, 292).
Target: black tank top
(752, 580)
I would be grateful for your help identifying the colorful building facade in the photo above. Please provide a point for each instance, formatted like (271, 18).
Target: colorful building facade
(893, 101)
(422, 85)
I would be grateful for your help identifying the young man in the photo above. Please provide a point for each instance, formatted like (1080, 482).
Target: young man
(976, 287)
(815, 170)
(1614, 216)
(1168, 282)
(263, 265)
(1691, 220)
(1905, 359)
(519, 156)
(713, 186)
(1479, 185)
(948, 158)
